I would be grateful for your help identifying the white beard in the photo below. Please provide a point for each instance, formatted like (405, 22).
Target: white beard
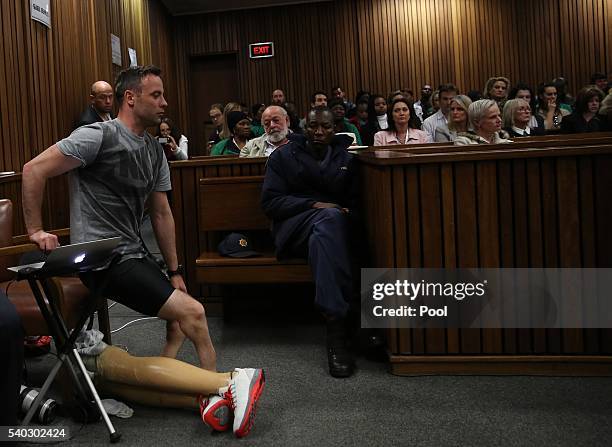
(277, 137)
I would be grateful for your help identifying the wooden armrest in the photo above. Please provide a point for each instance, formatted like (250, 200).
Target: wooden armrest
(21, 244)
(225, 180)
(17, 249)
(24, 239)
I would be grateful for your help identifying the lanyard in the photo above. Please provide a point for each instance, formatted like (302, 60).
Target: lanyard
(406, 139)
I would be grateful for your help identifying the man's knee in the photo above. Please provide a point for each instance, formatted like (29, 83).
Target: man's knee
(193, 308)
(331, 224)
(182, 307)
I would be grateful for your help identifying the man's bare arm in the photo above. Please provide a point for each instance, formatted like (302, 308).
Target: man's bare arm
(49, 163)
(163, 226)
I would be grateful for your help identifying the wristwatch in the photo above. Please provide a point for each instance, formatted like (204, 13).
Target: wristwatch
(179, 271)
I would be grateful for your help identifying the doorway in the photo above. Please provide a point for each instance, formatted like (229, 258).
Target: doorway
(213, 79)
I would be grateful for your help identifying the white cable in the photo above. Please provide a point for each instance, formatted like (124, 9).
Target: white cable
(133, 321)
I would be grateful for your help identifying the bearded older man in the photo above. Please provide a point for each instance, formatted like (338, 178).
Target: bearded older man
(275, 121)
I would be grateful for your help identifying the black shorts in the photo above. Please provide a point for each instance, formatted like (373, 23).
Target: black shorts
(136, 283)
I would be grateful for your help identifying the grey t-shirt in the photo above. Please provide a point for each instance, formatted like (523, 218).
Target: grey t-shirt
(119, 170)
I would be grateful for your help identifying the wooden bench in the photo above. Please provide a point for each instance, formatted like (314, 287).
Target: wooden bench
(232, 204)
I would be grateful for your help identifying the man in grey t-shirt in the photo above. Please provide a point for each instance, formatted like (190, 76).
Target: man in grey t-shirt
(115, 167)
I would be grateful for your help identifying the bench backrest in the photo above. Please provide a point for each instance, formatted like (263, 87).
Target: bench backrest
(231, 203)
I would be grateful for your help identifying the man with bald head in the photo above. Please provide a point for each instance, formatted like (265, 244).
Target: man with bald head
(101, 104)
(275, 121)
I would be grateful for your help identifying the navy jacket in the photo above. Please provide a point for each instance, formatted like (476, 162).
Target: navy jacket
(295, 180)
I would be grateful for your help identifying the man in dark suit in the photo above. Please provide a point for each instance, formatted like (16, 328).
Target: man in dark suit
(310, 193)
(101, 104)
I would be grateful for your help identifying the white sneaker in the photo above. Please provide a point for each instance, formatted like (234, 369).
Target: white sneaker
(244, 391)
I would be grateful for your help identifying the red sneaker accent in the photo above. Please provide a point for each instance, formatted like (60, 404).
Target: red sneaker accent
(37, 342)
(215, 412)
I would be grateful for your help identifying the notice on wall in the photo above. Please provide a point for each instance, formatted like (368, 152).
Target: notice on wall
(41, 12)
(133, 58)
(116, 49)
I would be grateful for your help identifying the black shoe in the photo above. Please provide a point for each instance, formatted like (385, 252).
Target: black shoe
(340, 362)
(339, 356)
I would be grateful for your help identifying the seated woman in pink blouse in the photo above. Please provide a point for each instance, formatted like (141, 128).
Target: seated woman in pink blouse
(404, 126)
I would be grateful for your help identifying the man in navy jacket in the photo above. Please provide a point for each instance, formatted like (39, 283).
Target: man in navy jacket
(310, 193)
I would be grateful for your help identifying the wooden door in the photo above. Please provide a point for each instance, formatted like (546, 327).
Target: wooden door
(213, 79)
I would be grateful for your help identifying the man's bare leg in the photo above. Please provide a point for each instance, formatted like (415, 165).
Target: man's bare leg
(191, 318)
(174, 339)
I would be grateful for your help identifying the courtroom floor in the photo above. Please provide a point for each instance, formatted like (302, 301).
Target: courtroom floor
(303, 406)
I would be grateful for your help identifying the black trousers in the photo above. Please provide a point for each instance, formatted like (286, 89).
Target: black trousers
(11, 358)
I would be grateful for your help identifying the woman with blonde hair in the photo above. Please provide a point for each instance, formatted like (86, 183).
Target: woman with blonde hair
(517, 118)
(457, 120)
(229, 107)
(496, 89)
(485, 120)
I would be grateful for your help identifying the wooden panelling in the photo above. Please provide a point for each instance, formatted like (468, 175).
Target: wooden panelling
(46, 73)
(378, 45)
(55, 209)
(387, 44)
(543, 208)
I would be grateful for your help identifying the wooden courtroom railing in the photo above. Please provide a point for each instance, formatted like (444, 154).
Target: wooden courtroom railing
(493, 206)
(186, 177)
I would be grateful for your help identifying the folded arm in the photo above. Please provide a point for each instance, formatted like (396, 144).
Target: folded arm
(276, 200)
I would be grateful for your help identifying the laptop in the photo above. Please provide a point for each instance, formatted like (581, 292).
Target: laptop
(72, 258)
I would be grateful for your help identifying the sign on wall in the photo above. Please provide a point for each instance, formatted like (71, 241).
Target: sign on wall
(41, 12)
(133, 58)
(262, 49)
(116, 49)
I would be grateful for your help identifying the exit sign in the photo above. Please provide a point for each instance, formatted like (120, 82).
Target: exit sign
(262, 49)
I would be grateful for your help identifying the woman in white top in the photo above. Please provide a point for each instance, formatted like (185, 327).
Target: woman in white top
(377, 119)
(171, 139)
(485, 119)
(457, 120)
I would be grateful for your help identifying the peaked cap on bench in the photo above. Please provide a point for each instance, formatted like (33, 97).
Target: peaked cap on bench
(236, 245)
